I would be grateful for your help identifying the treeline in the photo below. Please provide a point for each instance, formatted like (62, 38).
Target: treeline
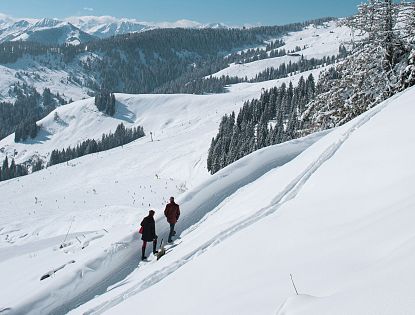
(29, 107)
(105, 102)
(293, 67)
(252, 54)
(218, 84)
(120, 137)
(201, 85)
(12, 170)
(260, 54)
(273, 118)
(10, 52)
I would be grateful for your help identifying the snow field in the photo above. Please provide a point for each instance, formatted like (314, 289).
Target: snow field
(345, 233)
(334, 209)
(103, 197)
(314, 41)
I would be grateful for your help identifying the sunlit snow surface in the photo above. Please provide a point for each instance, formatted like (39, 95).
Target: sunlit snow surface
(339, 217)
(334, 209)
(314, 41)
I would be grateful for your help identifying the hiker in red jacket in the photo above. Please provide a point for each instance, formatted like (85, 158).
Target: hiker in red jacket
(148, 230)
(172, 214)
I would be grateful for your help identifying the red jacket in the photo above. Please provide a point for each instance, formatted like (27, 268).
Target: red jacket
(172, 212)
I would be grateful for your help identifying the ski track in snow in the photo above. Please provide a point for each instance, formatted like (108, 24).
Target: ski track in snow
(106, 272)
(129, 251)
(289, 193)
(80, 284)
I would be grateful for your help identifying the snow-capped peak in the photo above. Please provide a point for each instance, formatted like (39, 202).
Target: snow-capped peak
(106, 26)
(96, 26)
(47, 23)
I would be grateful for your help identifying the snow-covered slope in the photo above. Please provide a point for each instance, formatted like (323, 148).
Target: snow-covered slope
(45, 72)
(314, 41)
(71, 124)
(339, 218)
(334, 209)
(105, 194)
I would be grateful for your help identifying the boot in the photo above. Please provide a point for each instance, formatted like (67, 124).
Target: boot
(143, 252)
(154, 248)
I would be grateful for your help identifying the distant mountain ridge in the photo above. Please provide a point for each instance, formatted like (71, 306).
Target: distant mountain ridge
(81, 29)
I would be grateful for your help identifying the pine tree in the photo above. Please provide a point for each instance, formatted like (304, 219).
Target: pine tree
(5, 168)
(12, 169)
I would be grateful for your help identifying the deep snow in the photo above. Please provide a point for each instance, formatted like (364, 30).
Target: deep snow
(102, 197)
(333, 209)
(339, 217)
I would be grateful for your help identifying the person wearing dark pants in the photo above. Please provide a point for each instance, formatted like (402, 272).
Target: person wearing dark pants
(148, 233)
(172, 231)
(172, 213)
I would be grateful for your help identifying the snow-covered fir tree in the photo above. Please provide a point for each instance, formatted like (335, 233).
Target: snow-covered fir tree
(381, 64)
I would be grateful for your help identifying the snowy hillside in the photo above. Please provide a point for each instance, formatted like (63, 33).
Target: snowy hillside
(73, 123)
(108, 192)
(43, 72)
(314, 41)
(282, 211)
(100, 198)
(345, 233)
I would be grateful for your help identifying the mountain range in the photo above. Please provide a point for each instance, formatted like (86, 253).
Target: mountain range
(81, 29)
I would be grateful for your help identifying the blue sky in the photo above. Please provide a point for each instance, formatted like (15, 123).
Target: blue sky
(232, 12)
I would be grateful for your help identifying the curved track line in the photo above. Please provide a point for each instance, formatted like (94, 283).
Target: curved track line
(289, 193)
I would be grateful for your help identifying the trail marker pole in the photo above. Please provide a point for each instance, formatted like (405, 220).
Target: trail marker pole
(292, 280)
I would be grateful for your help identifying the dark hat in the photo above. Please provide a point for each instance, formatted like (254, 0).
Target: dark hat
(151, 212)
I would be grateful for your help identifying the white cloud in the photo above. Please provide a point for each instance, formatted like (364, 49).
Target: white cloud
(88, 9)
